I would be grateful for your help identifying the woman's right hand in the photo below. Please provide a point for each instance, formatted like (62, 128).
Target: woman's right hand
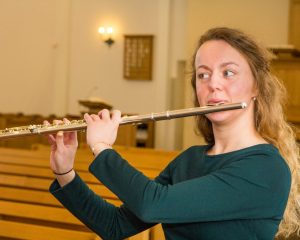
(63, 150)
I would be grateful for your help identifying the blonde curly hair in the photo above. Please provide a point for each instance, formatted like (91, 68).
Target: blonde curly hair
(270, 120)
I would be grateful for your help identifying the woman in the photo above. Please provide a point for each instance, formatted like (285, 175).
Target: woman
(235, 187)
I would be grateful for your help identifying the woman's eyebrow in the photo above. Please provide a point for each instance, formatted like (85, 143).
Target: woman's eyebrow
(203, 66)
(222, 65)
(229, 63)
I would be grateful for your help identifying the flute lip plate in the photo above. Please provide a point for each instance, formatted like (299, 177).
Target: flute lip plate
(244, 105)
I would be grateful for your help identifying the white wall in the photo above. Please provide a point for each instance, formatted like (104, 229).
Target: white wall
(26, 55)
(94, 65)
(266, 20)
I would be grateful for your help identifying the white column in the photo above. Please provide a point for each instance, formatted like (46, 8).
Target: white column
(61, 46)
(162, 64)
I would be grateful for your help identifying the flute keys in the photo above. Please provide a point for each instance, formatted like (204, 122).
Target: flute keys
(33, 128)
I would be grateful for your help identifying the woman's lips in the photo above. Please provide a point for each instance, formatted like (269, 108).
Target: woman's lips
(215, 102)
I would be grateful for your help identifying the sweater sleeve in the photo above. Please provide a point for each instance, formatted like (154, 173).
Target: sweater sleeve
(103, 218)
(246, 189)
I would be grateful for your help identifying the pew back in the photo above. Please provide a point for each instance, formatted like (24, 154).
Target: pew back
(25, 202)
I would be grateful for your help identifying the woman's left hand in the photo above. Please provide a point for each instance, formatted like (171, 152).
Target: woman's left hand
(63, 150)
(102, 129)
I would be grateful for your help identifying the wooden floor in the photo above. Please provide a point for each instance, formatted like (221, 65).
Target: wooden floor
(29, 211)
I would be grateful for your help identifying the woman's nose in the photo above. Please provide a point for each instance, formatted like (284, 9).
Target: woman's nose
(215, 81)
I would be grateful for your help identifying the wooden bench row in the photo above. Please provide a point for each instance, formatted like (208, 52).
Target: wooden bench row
(139, 157)
(19, 230)
(26, 204)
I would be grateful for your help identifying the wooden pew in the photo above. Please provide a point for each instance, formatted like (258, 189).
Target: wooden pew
(33, 171)
(140, 158)
(18, 230)
(10, 209)
(25, 177)
(150, 161)
(27, 196)
(38, 183)
(41, 185)
(27, 200)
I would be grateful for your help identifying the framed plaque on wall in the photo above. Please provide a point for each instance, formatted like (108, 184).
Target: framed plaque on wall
(138, 57)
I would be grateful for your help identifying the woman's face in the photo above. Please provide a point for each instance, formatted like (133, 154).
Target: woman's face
(223, 75)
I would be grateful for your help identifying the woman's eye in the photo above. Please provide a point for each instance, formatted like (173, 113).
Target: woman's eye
(228, 73)
(203, 76)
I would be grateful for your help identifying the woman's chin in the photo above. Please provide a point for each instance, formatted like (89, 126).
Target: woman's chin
(218, 117)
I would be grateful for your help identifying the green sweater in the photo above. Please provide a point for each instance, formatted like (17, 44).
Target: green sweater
(238, 195)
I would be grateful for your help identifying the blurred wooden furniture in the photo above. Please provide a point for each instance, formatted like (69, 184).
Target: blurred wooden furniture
(140, 135)
(294, 23)
(287, 69)
(29, 211)
(94, 106)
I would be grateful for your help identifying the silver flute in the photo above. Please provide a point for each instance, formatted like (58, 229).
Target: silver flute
(76, 125)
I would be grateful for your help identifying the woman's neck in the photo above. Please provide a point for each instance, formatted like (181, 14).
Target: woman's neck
(234, 136)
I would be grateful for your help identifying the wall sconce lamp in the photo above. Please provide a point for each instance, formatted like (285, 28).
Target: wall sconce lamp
(106, 34)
